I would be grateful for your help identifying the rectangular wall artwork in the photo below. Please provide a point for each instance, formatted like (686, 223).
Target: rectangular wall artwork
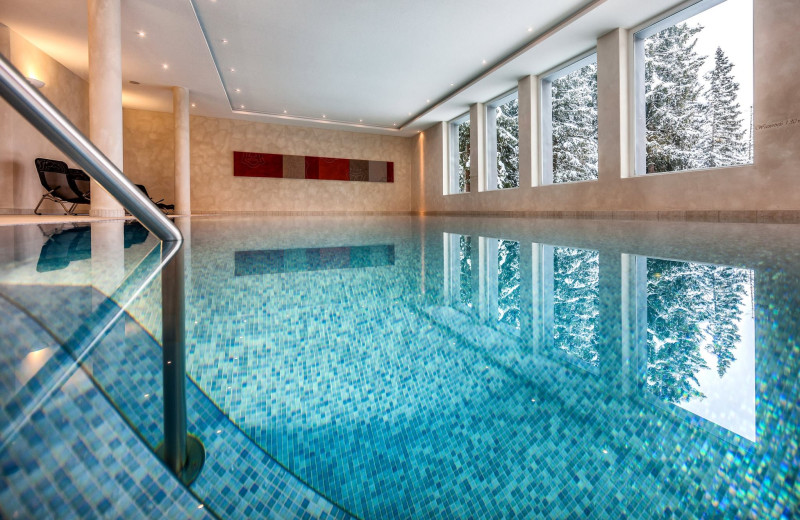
(277, 166)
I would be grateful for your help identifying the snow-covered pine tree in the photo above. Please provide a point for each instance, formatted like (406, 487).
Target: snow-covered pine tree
(574, 119)
(724, 143)
(463, 157)
(508, 144)
(673, 104)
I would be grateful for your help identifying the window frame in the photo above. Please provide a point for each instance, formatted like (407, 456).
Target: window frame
(453, 151)
(546, 111)
(638, 122)
(491, 138)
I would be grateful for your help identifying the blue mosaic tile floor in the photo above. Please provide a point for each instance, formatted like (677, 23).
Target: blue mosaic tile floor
(380, 388)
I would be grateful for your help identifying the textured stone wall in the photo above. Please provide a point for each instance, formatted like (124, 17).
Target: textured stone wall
(21, 189)
(149, 159)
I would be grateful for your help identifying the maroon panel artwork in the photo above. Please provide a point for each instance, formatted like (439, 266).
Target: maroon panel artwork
(250, 164)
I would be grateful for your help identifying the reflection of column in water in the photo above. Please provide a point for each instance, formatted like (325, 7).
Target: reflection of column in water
(108, 271)
(26, 240)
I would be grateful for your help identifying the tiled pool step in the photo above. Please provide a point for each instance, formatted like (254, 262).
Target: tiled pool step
(239, 479)
(74, 457)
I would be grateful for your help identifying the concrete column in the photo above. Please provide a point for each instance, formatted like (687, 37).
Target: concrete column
(180, 111)
(528, 90)
(7, 204)
(105, 95)
(477, 143)
(613, 119)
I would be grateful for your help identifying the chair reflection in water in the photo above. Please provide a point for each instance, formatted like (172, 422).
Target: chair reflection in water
(69, 244)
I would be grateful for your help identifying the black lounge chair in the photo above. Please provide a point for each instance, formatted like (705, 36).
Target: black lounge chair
(166, 208)
(55, 178)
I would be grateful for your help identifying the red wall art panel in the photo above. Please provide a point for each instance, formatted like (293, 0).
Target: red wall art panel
(249, 164)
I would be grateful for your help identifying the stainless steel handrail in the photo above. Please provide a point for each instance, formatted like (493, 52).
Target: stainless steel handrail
(34, 107)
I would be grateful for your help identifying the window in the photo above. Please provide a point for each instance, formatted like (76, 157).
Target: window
(569, 123)
(694, 89)
(502, 146)
(459, 155)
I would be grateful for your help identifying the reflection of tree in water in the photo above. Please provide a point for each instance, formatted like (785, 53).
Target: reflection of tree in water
(465, 256)
(576, 276)
(689, 305)
(508, 282)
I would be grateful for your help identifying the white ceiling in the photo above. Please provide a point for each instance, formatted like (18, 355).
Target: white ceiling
(367, 65)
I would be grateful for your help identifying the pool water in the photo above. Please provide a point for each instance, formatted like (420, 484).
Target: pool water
(407, 367)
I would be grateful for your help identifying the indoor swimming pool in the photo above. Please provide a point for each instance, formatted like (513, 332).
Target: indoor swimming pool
(406, 367)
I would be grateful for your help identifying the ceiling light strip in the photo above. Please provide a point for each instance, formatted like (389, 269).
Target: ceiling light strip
(539, 38)
(211, 52)
(325, 121)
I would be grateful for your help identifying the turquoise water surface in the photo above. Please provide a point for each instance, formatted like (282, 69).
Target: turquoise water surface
(403, 367)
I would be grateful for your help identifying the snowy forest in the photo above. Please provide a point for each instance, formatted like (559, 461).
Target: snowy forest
(691, 122)
(691, 307)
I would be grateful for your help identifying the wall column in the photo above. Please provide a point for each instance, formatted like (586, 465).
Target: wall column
(477, 144)
(612, 106)
(105, 95)
(7, 204)
(180, 111)
(528, 92)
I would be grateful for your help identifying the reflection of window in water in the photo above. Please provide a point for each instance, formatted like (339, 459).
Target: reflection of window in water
(465, 258)
(508, 282)
(701, 341)
(576, 304)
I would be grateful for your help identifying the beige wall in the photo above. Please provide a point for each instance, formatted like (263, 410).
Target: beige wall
(770, 184)
(149, 156)
(20, 189)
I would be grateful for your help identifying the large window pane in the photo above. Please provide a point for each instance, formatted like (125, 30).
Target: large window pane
(502, 124)
(697, 71)
(460, 179)
(570, 129)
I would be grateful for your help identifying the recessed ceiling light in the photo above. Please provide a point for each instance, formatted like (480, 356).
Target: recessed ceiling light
(530, 29)
(452, 84)
(194, 105)
(324, 116)
(141, 34)
(284, 111)
(238, 90)
(165, 66)
(484, 62)
(232, 69)
(224, 40)
(427, 100)
(241, 106)
(394, 124)
(360, 120)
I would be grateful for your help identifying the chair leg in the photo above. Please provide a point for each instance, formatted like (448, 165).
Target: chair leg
(72, 209)
(36, 210)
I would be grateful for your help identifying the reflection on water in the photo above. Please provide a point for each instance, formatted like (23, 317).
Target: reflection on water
(65, 244)
(465, 275)
(700, 323)
(508, 283)
(576, 302)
